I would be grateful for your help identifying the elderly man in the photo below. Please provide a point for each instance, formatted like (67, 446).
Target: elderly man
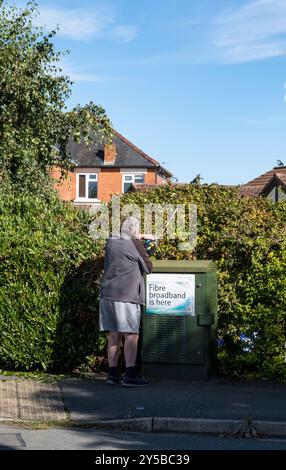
(121, 296)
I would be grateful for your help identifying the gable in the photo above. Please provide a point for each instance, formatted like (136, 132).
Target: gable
(276, 194)
(275, 189)
(271, 184)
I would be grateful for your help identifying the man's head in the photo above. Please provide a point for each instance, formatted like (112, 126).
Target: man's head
(130, 227)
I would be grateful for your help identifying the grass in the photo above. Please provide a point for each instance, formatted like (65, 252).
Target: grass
(35, 425)
(40, 376)
(47, 377)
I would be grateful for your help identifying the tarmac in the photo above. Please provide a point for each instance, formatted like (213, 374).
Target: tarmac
(217, 406)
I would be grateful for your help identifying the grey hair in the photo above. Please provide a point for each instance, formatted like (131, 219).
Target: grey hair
(130, 227)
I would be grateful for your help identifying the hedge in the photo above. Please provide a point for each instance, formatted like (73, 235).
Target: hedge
(245, 236)
(49, 274)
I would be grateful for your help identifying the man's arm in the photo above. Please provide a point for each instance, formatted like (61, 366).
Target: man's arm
(147, 265)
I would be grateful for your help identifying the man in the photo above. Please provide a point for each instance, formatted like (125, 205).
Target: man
(121, 296)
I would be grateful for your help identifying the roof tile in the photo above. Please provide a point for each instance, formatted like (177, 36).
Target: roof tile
(127, 155)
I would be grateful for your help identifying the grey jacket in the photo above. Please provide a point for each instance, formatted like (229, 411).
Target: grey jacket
(125, 263)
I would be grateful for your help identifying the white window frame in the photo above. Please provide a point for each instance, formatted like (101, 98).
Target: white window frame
(133, 174)
(87, 179)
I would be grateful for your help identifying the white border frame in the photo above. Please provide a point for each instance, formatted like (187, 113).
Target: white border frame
(85, 199)
(133, 177)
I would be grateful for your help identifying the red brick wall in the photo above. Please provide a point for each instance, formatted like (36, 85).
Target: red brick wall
(150, 177)
(109, 182)
(161, 180)
(67, 187)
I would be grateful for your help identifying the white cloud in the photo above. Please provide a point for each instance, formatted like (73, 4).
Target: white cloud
(78, 76)
(125, 33)
(82, 25)
(75, 24)
(254, 31)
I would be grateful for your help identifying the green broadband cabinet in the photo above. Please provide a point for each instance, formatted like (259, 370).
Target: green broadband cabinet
(179, 320)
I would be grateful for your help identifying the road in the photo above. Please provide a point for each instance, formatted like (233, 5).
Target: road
(19, 438)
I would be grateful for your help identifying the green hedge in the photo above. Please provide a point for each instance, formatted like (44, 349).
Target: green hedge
(245, 236)
(49, 275)
(50, 272)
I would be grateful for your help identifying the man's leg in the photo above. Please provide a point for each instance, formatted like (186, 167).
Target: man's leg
(130, 348)
(113, 351)
(131, 378)
(113, 348)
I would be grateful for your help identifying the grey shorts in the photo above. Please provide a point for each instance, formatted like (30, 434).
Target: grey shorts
(123, 317)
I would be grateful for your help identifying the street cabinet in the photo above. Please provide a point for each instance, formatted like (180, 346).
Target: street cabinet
(179, 320)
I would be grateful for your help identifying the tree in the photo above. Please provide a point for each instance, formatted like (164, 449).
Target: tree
(34, 123)
(197, 179)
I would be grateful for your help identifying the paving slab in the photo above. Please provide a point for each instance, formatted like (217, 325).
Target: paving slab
(31, 400)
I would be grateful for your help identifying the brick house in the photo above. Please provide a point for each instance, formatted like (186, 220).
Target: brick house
(271, 184)
(102, 170)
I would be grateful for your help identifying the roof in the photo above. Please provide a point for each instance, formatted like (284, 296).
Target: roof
(263, 184)
(263, 179)
(276, 180)
(127, 155)
(249, 190)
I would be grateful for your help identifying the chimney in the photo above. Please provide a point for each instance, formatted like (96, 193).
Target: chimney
(109, 154)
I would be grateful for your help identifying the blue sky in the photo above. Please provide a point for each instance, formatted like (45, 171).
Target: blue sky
(197, 84)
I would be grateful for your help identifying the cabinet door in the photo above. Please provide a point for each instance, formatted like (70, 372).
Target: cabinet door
(177, 339)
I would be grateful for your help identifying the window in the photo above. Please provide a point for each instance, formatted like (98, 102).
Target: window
(128, 180)
(87, 186)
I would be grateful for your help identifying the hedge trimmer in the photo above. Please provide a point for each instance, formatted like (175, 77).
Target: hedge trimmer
(150, 242)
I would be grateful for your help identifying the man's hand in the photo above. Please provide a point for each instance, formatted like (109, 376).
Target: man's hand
(146, 236)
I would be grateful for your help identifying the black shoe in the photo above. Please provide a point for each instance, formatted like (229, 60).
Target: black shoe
(134, 381)
(114, 380)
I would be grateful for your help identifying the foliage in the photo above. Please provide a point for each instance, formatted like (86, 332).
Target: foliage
(34, 124)
(49, 265)
(245, 236)
(49, 274)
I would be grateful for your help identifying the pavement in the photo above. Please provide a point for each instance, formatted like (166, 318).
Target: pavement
(218, 406)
